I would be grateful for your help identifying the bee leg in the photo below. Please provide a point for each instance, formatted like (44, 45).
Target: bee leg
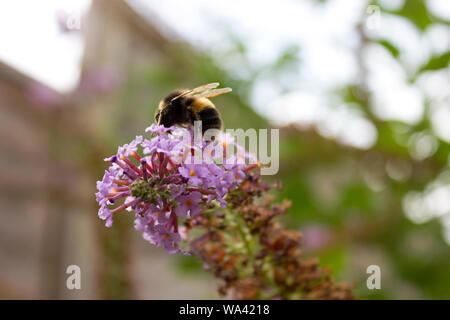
(157, 116)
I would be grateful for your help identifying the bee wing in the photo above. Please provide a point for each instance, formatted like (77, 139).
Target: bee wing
(205, 87)
(201, 89)
(214, 93)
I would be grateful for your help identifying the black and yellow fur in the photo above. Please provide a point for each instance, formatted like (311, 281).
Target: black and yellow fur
(184, 110)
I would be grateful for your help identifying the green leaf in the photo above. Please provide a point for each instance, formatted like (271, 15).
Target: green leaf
(436, 62)
(395, 52)
(416, 11)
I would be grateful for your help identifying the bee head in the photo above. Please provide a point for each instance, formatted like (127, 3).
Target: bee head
(157, 116)
(165, 114)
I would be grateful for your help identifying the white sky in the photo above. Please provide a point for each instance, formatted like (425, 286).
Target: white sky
(30, 40)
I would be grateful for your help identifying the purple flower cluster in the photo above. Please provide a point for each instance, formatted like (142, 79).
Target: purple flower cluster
(174, 178)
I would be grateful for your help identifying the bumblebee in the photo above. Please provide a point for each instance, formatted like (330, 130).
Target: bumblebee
(183, 107)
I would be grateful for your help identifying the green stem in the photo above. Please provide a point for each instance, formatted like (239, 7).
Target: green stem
(244, 236)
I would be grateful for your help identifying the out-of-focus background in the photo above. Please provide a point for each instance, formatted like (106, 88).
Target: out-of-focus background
(359, 90)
